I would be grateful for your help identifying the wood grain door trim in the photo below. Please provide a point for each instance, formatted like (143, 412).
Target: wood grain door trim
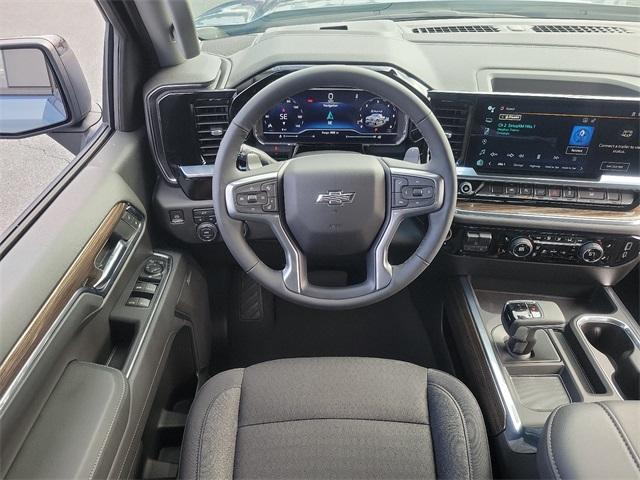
(74, 278)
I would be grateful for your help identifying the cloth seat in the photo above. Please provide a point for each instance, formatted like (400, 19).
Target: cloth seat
(334, 418)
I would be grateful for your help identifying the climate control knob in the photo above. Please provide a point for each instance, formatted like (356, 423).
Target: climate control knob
(521, 247)
(591, 252)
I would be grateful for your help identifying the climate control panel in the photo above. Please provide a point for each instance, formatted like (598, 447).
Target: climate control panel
(543, 246)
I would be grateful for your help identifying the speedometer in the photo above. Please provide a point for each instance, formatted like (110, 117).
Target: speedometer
(287, 116)
(377, 115)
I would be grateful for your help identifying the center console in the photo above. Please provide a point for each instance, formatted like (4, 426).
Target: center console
(529, 348)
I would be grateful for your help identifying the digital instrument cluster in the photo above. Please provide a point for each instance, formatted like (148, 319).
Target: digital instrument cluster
(542, 136)
(333, 116)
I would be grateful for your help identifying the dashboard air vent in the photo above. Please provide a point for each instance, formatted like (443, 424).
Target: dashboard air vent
(458, 29)
(579, 29)
(211, 116)
(453, 119)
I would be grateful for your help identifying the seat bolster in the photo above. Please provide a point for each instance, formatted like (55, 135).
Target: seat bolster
(457, 429)
(208, 449)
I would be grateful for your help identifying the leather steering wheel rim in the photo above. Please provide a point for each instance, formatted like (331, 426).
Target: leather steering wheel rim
(387, 279)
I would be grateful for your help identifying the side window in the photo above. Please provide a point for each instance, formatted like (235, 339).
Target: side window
(29, 165)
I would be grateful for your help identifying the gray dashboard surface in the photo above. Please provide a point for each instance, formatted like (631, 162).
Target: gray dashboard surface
(446, 61)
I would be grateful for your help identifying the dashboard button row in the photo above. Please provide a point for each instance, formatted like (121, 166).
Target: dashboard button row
(201, 215)
(552, 193)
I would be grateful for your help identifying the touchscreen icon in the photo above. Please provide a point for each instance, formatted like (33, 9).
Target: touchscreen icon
(581, 135)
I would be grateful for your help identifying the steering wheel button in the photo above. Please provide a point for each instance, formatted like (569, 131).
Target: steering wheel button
(419, 182)
(269, 188)
(420, 202)
(242, 199)
(399, 201)
(249, 208)
(271, 205)
(249, 188)
(399, 183)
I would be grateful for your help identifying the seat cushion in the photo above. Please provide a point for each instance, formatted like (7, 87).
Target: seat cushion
(334, 418)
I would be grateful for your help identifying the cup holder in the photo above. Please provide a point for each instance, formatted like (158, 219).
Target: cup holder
(615, 348)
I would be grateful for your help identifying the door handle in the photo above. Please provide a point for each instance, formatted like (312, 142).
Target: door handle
(109, 271)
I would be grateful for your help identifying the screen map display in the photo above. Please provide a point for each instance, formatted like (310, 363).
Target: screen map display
(333, 116)
(543, 136)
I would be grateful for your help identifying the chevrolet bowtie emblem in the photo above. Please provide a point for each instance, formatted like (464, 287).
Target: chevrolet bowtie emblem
(336, 197)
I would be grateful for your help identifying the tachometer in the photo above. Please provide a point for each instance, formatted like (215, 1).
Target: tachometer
(377, 115)
(287, 116)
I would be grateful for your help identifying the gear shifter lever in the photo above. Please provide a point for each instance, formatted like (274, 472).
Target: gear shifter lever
(523, 318)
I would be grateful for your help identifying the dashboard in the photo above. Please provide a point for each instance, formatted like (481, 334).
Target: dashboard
(547, 153)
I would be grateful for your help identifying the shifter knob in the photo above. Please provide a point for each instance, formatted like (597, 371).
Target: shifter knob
(523, 318)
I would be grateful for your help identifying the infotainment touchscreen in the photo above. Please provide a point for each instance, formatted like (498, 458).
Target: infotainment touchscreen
(559, 136)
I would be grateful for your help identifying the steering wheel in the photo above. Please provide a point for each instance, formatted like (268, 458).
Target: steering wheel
(335, 203)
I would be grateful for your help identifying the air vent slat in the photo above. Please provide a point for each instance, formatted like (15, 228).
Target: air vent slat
(453, 119)
(211, 116)
(457, 29)
(579, 29)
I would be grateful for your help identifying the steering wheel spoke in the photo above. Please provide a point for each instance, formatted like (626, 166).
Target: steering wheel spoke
(414, 191)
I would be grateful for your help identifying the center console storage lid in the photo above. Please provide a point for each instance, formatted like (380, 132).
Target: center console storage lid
(591, 440)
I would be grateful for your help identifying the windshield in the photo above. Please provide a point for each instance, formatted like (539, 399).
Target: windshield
(251, 16)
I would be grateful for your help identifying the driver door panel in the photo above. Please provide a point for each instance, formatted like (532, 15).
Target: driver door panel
(80, 367)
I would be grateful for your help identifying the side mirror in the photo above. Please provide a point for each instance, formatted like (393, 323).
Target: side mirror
(42, 87)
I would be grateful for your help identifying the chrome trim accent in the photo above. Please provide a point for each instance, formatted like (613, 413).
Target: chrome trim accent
(514, 430)
(18, 382)
(335, 198)
(633, 335)
(140, 340)
(197, 171)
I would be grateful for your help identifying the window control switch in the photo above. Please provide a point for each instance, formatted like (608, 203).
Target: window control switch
(144, 302)
(145, 287)
(132, 302)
